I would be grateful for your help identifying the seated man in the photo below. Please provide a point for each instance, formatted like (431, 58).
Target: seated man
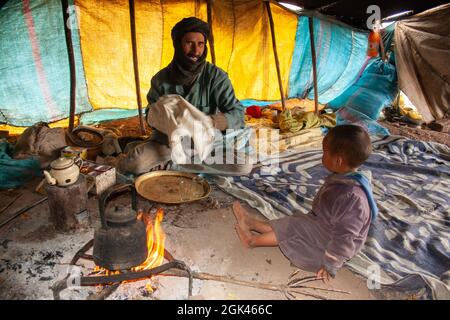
(201, 84)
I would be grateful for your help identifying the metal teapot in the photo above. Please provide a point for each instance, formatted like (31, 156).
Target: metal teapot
(64, 171)
(121, 241)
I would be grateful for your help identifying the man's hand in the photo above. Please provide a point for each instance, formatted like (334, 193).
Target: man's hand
(324, 275)
(220, 121)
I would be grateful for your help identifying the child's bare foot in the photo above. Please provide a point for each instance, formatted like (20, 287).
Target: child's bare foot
(244, 235)
(241, 215)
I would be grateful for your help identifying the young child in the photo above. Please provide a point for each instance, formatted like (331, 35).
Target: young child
(337, 226)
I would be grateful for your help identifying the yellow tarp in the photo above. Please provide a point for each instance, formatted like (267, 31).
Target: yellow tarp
(13, 130)
(242, 40)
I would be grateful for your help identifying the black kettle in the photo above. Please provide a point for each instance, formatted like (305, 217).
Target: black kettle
(121, 241)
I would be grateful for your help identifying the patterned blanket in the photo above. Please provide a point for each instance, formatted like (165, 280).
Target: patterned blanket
(408, 245)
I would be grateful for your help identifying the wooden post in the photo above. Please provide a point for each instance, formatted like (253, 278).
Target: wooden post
(68, 205)
(383, 52)
(135, 65)
(380, 31)
(211, 35)
(73, 80)
(275, 53)
(313, 55)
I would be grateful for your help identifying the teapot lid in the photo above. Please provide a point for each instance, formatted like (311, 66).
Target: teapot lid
(120, 215)
(62, 163)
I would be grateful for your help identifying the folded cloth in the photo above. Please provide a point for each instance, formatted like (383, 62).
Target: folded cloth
(304, 120)
(177, 118)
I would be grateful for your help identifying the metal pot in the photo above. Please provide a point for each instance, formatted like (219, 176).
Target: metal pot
(121, 241)
(64, 171)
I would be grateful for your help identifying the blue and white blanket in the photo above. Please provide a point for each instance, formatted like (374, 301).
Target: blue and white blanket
(408, 246)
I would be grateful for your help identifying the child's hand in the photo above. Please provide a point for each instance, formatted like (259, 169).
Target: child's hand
(323, 273)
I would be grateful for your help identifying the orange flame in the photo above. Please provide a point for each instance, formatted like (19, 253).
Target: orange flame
(155, 244)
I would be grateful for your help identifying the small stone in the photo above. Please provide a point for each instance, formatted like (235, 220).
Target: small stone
(45, 278)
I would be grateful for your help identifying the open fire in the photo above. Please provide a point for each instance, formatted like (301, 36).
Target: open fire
(153, 264)
(155, 241)
(155, 244)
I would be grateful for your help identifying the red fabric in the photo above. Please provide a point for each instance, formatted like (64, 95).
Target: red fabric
(254, 111)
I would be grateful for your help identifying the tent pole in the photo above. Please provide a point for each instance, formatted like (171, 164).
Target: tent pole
(383, 52)
(313, 55)
(73, 80)
(209, 4)
(135, 65)
(275, 53)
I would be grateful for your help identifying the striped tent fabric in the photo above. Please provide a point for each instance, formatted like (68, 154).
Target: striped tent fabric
(35, 76)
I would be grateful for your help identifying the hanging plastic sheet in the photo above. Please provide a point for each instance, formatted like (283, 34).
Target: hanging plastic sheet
(422, 58)
(388, 36)
(107, 114)
(340, 54)
(375, 90)
(346, 77)
(35, 77)
(363, 101)
(243, 46)
(353, 116)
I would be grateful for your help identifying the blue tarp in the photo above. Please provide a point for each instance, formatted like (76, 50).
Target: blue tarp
(347, 81)
(14, 173)
(376, 89)
(340, 53)
(108, 114)
(34, 64)
(364, 100)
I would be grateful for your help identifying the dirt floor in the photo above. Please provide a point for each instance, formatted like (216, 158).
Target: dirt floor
(415, 132)
(33, 256)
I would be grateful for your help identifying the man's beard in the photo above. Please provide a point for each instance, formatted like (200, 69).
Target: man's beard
(183, 69)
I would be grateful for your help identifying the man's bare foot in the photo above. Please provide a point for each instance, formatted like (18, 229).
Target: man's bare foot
(241, 215)
(244, 236)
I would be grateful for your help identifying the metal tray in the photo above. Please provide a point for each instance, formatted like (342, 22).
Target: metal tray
(172, 187)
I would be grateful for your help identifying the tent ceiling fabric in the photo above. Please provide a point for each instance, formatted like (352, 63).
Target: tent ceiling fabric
(354, 12)
(35, 56)
(242, 44)
(422, 51)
